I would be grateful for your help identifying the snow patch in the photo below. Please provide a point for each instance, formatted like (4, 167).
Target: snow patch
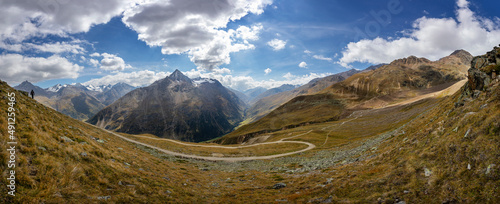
(199, 81)
(98, 88)
(56, 87)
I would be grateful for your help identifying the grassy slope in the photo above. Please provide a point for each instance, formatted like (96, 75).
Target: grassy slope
(265, 105)
(51, 170)
(438, 142)
(396, 165)
(298, 111)
(393, 82)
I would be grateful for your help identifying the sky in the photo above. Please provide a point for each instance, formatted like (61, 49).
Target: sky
(243, 44)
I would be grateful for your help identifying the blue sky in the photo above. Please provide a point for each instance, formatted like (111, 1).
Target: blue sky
(243, 44)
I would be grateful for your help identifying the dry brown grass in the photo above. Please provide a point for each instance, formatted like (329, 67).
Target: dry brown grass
(201, 150)
(434, 140)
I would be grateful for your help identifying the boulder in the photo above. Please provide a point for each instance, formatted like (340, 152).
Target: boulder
(279, 185)
(66, 139)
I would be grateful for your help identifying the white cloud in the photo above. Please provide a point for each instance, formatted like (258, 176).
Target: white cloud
(94, 62)
(303, 65)
(57, 47)
(221, 71)
(112, 62)
(195, 27)
(321, 57)
(432, 38)
(277, 44)
(15, 68)
(24, 19)
(217, 52)
(95, 54)
(462, 3)
(139, 78)
(246, 82)
(267, 71)
(246, 33)
(289, 75)
(307, 52)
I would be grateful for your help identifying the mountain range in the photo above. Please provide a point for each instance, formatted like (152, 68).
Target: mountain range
(77, 101)
(399, 80)
(269, 102)
(175, 107)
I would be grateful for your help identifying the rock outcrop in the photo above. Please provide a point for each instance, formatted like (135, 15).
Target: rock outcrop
(483, 72)
(484, 69)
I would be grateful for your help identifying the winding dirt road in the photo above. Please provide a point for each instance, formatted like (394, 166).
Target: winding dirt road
(227, 159)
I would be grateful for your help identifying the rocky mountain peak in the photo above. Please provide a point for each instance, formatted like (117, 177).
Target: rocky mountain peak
(410, 61)
(463, 55)
(26, 83)
(178, 76)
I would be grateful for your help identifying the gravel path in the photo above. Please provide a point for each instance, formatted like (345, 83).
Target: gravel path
(227, 159)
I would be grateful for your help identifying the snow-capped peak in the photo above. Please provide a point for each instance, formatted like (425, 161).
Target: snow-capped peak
(56, 87)
(98, 88)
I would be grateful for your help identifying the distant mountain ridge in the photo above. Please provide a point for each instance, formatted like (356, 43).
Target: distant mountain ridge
(77, 100)
(254, 92)
(267, 104)
(270, 92)
(175, 107)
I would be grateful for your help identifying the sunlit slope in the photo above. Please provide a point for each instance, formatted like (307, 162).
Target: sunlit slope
(402, 79)
(63, 160)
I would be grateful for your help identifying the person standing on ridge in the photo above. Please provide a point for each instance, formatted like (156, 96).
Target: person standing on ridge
(32, 94)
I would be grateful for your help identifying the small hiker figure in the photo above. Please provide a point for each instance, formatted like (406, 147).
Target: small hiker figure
(32, 94)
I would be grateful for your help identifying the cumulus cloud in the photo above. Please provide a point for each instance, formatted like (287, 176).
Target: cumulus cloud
(95, 54)
(432, 38)
(217, 52)
(24, 19)
(289, 75)
(94, 62)
(15, 68)
(139, 78)
(246, 82)
(195, 27)
(277, 44)
(321, 57)
(221, 71)
(303, 65)
(58, 47)
(307, 52)
(267, 71)
(110, 62)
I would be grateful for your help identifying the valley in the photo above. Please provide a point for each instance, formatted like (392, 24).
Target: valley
(270, 101)
(344, 156)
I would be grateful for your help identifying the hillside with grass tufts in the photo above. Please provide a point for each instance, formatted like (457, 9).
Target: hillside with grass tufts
(441, 149)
